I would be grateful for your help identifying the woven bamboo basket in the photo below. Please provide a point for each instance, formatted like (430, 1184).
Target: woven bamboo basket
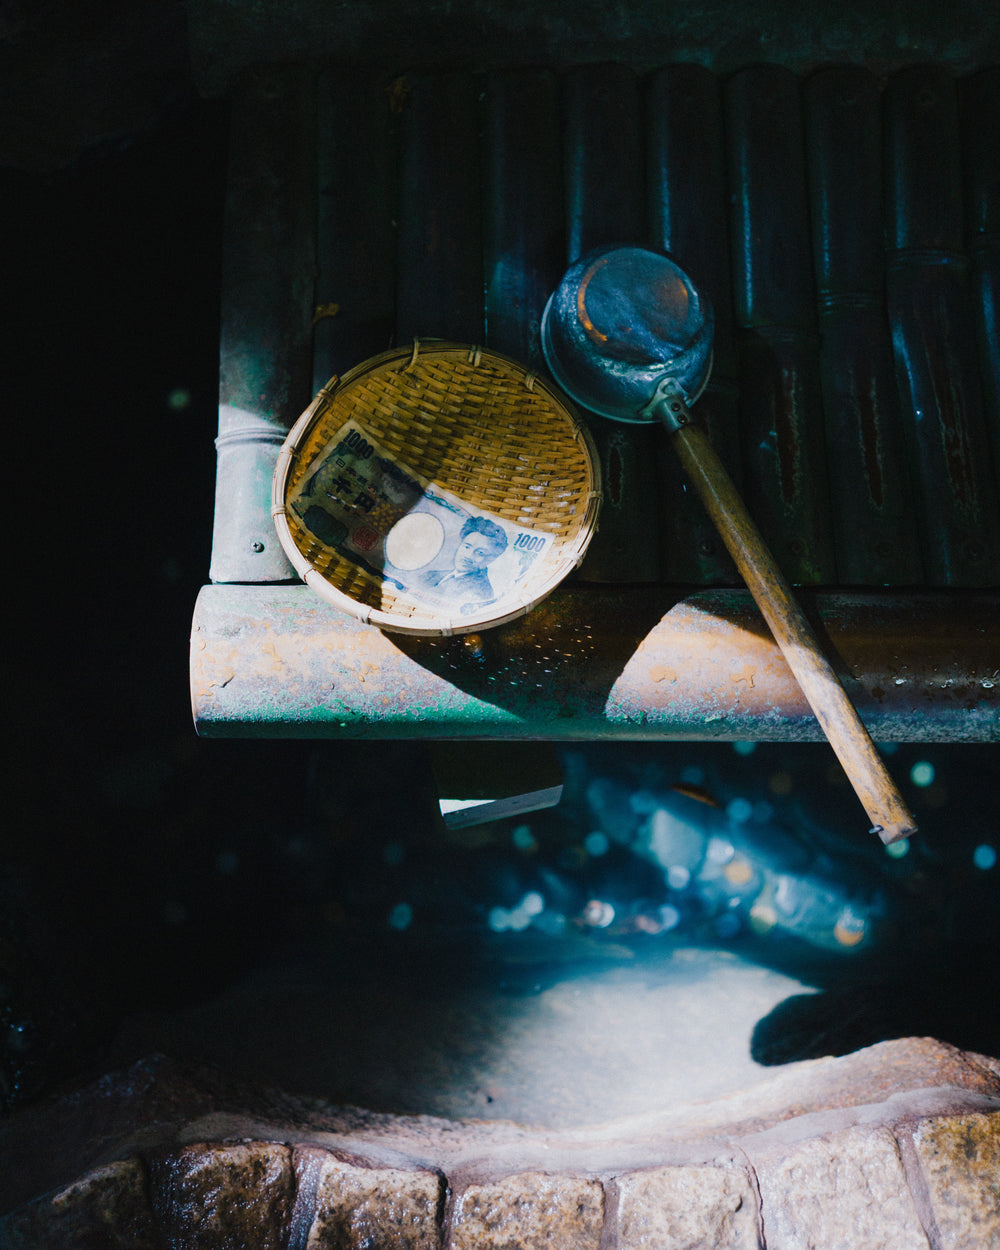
(436, 490)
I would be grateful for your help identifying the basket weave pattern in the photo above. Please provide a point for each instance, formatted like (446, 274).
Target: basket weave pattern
(475, 424)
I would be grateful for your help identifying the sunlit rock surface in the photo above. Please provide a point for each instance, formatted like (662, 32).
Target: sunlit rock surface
(895, 1146)
(834, 1190)
(529, 1209)
(960, 1158)
(688, 1206)
(237, 1194)
(365, 1206)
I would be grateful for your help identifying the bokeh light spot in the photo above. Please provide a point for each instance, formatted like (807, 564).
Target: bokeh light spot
(498, 919)
(985, 856)
(519, 919)
(849, 929)
(596, 843)
(643, 802)
(744, 748)
(533, 904)
(898, 849)
(393, 853)
(598, 913)
(719, 851)
(762, 918)
(738, 872)
(922, 773)
(523, 838)
(670, 917)
(401, 917)
(739, 810)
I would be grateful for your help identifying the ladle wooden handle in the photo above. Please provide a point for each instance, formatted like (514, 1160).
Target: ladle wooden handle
(835, 712)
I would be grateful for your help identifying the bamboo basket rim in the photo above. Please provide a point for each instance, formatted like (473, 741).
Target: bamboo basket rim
(425, 622)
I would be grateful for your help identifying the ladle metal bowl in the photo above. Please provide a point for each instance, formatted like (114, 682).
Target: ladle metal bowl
(627, 335)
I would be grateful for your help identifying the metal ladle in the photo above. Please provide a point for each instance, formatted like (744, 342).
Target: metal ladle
(627, 335)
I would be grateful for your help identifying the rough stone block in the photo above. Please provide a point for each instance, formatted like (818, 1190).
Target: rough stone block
(105, 1208)
(960, 1155)
(224, 1197)
(847, 1190)
(529, 1209)
(376, 1209)
(683, 1208)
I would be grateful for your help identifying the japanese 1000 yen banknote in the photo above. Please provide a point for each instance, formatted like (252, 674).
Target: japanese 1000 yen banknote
(424, 541)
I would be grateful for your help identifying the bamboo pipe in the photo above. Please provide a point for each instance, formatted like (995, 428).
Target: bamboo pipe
(838, 718)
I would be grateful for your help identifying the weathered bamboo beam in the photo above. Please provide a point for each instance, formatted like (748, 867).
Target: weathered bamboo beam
(594, 663)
